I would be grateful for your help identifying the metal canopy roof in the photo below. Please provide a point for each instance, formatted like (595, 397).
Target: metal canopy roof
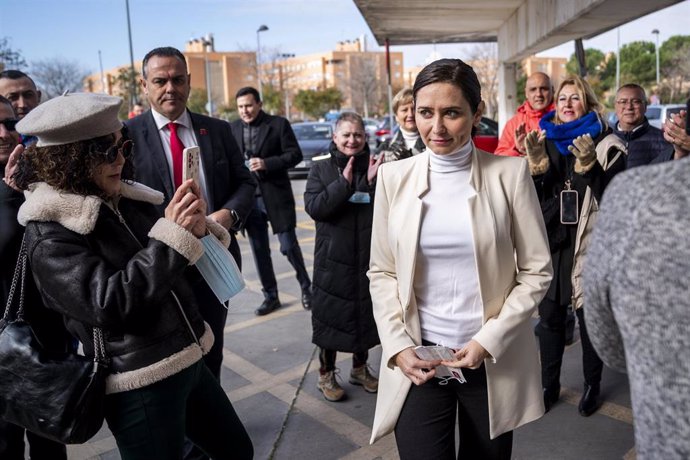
(408, 22)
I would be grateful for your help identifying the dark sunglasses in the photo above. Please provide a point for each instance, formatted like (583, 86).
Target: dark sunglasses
(10, 124)
(125, 148)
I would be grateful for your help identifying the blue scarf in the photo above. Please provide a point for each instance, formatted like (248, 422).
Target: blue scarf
(562, 135)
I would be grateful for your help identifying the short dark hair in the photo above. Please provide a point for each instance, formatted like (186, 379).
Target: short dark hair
(165, 51)
(455, 72)
(4, 100)
(246, 91)
(12, 74)
(636, 87)
(351, 117)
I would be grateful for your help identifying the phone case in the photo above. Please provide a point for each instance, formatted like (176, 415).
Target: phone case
(190, 164)
(570, 212)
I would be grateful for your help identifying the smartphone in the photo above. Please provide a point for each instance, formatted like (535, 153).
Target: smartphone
(570, 212)
(190, 164)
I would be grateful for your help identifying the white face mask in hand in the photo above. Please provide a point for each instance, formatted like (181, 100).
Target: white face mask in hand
(219, 269)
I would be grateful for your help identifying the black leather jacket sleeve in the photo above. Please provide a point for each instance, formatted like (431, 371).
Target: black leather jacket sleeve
(78, 276)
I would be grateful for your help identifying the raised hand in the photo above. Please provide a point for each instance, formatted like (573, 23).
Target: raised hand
(373, 170)
(347, 171)
(187, 209)
(584, 150)
(520, 135)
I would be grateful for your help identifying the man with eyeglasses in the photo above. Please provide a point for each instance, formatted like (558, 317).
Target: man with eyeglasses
(12, 436)
(644, 142)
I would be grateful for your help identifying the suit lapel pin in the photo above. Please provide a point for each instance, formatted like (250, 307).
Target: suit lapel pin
(203, 132)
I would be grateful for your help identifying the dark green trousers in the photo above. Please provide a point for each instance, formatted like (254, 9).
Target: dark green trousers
(152, 422)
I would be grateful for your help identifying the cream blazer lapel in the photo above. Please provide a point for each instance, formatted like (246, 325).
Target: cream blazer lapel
(407, 216)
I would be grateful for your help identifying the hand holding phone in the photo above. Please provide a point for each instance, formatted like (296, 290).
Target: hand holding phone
(190, 164)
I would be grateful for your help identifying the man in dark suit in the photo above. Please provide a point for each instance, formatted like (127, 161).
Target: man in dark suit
(270, 148)
(159, 135)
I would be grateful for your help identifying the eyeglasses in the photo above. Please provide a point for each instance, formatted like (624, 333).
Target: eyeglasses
(634, 102)
(10, 124)
(125, 148)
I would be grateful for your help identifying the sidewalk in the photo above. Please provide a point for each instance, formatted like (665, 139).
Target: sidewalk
(271, 369)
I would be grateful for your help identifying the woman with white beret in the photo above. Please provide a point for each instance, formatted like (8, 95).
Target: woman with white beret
(103, 257)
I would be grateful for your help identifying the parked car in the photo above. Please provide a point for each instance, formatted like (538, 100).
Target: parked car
(370, 127)
(486, 137)
(313, 138)
(384, 132)
(656, 114)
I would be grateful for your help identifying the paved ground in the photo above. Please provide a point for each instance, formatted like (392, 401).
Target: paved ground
(270, 374)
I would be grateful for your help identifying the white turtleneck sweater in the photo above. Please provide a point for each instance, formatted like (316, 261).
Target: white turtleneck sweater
(410, 138)
(446, 284)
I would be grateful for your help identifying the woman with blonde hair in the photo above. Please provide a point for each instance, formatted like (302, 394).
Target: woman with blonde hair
(406, 142)
(571, 160)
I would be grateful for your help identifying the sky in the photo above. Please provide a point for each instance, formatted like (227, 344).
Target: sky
(79, 29)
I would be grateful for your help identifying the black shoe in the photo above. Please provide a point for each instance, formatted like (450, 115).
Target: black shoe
(589, 403)
(306, 299)
(267, 307)
(550, 398)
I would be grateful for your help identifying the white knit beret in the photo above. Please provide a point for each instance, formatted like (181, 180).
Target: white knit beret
(71, 118)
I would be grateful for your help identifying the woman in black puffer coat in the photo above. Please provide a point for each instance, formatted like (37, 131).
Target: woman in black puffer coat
(339, 197)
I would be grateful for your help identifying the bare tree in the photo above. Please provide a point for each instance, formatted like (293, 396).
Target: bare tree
(364, 82)
(10, 58)
(484, 59)
(56, 75)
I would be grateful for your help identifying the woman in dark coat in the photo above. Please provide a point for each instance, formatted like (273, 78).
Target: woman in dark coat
(339, 197)
(577, 154)
(103, 257)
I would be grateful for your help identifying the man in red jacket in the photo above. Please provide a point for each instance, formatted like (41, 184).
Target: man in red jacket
(539, 101)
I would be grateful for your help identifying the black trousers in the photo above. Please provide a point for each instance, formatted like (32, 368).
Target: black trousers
(12, 444)
(426, 426)
(151, 422)
(551, 333)
(256, 226)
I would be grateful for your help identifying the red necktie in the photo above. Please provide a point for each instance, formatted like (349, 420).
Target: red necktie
(176, 148)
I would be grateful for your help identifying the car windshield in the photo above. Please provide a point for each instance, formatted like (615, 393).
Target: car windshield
(312, 132)
(653, 113)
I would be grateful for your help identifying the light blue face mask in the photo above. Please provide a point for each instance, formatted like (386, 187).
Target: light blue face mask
(360, 198)
(219, 269)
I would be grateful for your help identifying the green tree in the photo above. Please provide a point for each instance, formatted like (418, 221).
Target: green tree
(272, 99)
(123, 88)
(601, 70)
(595, 61)
(674, 63)
(520, 84)
(638, 63)
(197, 100)
(315, 103)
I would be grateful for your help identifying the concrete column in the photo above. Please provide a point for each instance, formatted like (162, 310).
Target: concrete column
(507, 93)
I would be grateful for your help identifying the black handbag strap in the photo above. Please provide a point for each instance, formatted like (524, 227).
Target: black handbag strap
(19, 278)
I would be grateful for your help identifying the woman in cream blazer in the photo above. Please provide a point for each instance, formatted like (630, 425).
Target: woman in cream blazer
(511, 258)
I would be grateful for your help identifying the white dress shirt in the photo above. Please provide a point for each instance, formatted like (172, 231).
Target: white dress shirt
(186, 134)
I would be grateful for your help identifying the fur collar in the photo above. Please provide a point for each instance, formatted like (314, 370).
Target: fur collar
(75, 212)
